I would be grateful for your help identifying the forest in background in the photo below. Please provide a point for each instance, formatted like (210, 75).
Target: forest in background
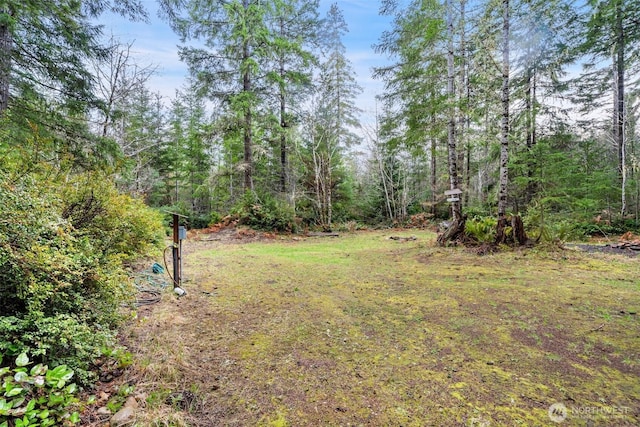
(528, 107)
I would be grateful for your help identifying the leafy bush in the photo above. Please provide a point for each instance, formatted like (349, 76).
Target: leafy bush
(605, 228)
(62, 278)
(266, 214)
(483, 229)
(214, 218)
(116, 224)
(36, 397)
(550, 228)
(477, 212)
(58, 339)
(191, 220)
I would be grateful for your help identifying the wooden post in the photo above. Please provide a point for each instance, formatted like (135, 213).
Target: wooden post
(457, 226)
(176, 251)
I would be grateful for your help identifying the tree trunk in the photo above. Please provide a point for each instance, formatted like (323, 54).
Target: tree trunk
(451, 134)
(383, 178)
(530, 107)
(434, 171)
(434, 177)
(618, 114)
(248, 134)
(283, 121)
(6, 48)
(462, 111)
(317, 184)
(466, 124)
(504, 137)
(329, 195)
(453, 232)
(519, 234)
(456, 229)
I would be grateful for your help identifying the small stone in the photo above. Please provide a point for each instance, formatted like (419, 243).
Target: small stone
(123, 417)
(103, 410)
(141, 397)
(131, 402)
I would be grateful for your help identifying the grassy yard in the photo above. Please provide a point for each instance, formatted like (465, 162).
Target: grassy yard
(365, 330)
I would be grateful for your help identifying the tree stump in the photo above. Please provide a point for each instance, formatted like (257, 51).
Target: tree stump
(501, 235)
(452, 233)
(519, 234)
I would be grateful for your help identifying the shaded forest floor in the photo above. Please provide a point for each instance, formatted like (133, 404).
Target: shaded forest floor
(363, 329)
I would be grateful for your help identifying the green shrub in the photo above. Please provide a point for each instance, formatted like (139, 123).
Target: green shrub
(62, 278)
(191, 220)
(550, 227)
(477, 212)
(214, 218)
(38, 396)
(606, 229)
(116, 224)
(58, 339)
(266, 214)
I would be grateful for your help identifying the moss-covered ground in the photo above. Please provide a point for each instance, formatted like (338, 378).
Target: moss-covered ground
(365, 330)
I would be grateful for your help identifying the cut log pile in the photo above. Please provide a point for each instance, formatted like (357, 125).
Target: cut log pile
(628, 241)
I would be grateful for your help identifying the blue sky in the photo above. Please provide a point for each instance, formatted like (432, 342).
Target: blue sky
(155, 43)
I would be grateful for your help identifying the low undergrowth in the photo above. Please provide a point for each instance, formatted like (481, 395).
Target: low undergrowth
(65, 243)
(365, 330)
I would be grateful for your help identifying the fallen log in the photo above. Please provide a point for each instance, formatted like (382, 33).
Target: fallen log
(404, 239)
(634, 246)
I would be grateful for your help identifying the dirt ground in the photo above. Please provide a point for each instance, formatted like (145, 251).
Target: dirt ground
(385, 329)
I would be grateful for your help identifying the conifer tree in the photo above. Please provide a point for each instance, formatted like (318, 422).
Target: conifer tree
(231, 43)
(611, 35)
(293, 25)
(333, 116)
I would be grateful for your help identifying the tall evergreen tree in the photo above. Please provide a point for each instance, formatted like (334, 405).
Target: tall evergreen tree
(415, 90)
(337, 84)
(228, 62)
(540, 50)
(333, 116)
(293, 25)
(612, 34)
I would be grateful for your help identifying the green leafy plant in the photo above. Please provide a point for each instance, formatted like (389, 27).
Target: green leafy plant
(36, 397)
(61, 340)
(483, 229)
(265, 213)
